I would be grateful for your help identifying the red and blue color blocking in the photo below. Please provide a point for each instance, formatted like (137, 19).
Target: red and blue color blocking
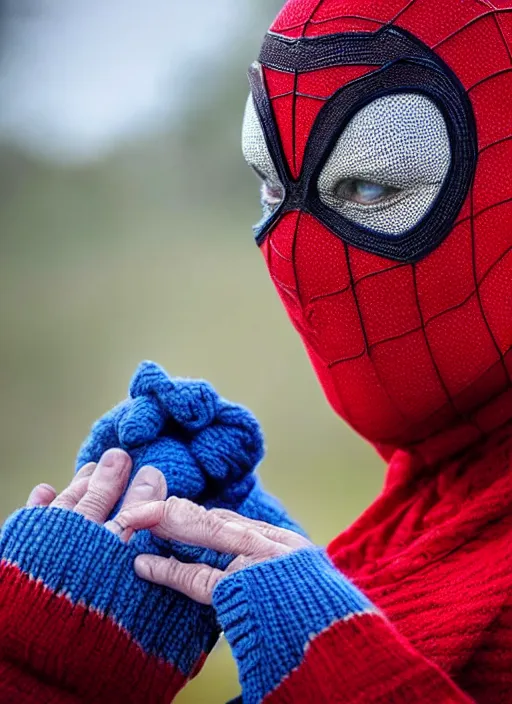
(77, 623)
(412, 342)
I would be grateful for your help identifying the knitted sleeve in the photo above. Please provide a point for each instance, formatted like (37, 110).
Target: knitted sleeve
(301, 632)
(76, 624)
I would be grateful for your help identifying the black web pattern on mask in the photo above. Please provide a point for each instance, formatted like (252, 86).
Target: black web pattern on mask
(404, 66)
(425, 322)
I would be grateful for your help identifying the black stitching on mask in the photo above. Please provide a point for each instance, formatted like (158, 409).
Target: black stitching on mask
(405, 66)
(357, 48)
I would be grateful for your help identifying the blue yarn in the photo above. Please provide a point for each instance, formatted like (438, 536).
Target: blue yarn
(207, 449)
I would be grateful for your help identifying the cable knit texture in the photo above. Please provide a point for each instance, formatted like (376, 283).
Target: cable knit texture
(208, 449)
(415, 606)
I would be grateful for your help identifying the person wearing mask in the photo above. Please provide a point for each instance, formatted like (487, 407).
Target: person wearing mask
(382, 133)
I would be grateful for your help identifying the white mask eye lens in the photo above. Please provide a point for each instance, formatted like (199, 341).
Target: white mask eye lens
(389, 164)
(257, 155)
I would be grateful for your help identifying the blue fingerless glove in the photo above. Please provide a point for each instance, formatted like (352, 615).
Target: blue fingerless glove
(206, 447)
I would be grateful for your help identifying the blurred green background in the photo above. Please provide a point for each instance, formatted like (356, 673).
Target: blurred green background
(146, 252)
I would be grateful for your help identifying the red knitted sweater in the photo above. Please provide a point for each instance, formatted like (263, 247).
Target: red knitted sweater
(403, 303)
(435, 554)
(432, 553)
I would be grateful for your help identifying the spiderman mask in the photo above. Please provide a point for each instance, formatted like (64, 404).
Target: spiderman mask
(382, 133)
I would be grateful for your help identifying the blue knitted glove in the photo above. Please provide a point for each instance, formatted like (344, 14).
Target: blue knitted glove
(206, 447)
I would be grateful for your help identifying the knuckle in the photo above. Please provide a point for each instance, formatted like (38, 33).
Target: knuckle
(171, 512)
(212, 524)
(164, 571)
(217, 514)
(172, 506)
(251, 541)
(153, 570)
(160, 571)
(94, 502)
(272, 533)
(199, 581)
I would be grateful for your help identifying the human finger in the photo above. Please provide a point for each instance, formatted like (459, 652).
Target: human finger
(69, 498)
(41, 495)
(278, 535)
(196, 581)
(83, 472)
(149, 485)
(186, 522)
(106, 486)
(72, 494)
(151, 516)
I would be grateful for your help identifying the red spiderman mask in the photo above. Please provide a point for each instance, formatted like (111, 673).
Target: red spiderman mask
(382, 131)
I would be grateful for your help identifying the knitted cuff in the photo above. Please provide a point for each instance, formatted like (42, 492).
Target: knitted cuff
(87, 564)
(271, 611)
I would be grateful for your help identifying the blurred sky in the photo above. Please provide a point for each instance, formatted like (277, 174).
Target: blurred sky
(78, 77)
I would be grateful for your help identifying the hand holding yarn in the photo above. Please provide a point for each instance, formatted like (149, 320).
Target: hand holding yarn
(249, 541)
(206, 447)
(97, 488)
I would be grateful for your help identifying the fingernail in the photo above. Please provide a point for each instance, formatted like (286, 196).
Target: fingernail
(141, 565)
(234, 527)
(87, 469)
(147, 483)
(144, 490)
(113, 461)
(48, 488)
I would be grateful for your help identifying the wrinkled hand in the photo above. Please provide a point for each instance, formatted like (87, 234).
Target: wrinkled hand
(251, 542)
(97, 488)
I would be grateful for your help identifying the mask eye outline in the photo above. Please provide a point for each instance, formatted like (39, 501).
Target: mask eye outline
(258, 157)
(421, 72)
(417, 178)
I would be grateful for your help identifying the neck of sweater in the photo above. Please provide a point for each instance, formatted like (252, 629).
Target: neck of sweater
(427, 510)
(469, 431)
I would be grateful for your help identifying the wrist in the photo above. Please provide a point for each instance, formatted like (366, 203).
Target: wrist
(90, 567)
(270, 612)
